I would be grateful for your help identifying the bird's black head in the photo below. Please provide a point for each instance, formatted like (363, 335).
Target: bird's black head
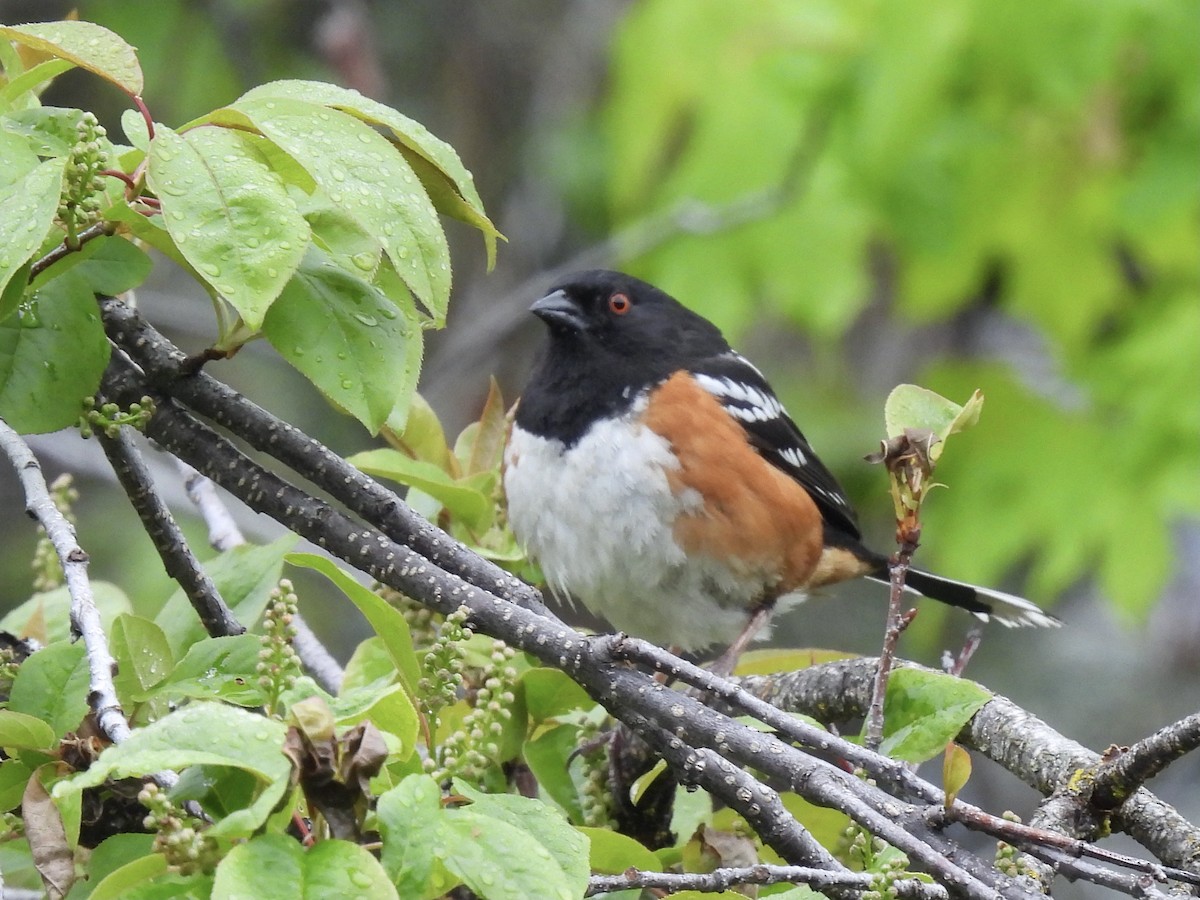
(620, 317)
(611, 335)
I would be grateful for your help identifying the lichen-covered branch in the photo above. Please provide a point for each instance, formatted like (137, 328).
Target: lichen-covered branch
(1008, 735)
(85, 618)
(726, 878)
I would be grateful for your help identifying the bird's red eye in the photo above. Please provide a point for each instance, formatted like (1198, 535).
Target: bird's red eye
(619, 304)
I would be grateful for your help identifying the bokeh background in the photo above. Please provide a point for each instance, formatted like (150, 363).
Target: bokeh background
(860, 192)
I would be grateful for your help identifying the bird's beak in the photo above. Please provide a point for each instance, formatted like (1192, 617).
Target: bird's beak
(559, 310)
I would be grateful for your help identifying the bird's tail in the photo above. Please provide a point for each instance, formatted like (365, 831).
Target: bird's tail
(984, 603)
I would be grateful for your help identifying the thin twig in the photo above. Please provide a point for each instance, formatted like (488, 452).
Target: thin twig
(725, 878)
(62, 250)
(85, 618)
(897, 621)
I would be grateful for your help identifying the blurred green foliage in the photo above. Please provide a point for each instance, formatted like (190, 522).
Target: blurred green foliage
(1041, 156)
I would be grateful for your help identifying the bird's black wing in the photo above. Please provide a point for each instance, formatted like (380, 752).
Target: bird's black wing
(747, 396)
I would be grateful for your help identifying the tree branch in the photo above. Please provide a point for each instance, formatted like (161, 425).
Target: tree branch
(362, 495)
(725, 878)
(1004, 733)
(1113, 780)
(85, 618)
(177, 557)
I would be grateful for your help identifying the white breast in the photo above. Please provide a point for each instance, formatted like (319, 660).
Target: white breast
(598, 519)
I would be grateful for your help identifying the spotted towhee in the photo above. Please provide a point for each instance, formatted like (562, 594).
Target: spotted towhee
(655, 476)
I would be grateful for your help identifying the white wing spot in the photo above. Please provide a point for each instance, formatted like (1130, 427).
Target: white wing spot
(794, 457)
(757, 406)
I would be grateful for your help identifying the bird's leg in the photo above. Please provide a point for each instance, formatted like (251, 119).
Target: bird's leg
(727, 661)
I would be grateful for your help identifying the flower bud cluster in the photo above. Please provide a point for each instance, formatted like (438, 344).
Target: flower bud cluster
(83, 183)
(109, 418)
(474, 748)
(177, 835)
(278, 664)
(47, 571)
(595, 798)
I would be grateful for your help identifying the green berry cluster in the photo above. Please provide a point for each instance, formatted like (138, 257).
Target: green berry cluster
(422, 621)
(83, 184)
(47, 571)
(187, 849)
(1011, 861)
(595, 798)
(473, 749)
(109, 418)
(885, 863)
(278, 664)
(442, 666)
(12, 827)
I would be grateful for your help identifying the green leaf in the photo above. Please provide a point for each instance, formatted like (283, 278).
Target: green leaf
(365, 176)
(387, 621)
(17, 158)
(142, 654)
(110, 855)
(49, 130)
(612, 853)
(244, 576)
(149, 229)
(221, 668)
(910, 406)
(410, 817)
(229, 214)
(370, 663)
(31, 81)
(924, 711)
(24, 732)
(466, 498)
(186, 738)
(547, 755)
(14, 776)
(87, 45)
(480, 446)
(47, 616)
(52, 355)
(550, 693)
(52, 685)
(344, 335)
(340, 236)
(507, 847)
(276, 867)
(133, 123)
(110, 265)
(121, 881)
(449, 184)
(419, 434)
(27, 210)
(450, 202)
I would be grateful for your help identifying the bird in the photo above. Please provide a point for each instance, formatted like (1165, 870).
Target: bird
(654, 475)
